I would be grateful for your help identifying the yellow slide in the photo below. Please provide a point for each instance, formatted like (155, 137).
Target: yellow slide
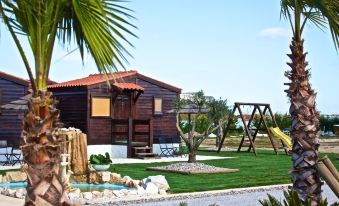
(286, 139)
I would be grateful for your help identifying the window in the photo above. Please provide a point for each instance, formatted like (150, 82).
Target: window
(157, 106)
(101, 107)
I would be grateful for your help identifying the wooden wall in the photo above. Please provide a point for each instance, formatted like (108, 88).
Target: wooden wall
(75, 110)
(99, 128)
(73, 106)
(163, 125)
(11, 120)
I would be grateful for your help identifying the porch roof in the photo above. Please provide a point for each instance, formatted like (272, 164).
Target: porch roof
(128, 86)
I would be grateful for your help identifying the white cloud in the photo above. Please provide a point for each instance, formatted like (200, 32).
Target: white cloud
(275, 32)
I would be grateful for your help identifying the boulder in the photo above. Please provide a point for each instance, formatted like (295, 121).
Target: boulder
(74, 195)
(115, 178)
(107, 193)
(88, 195)
(151, 189)
(162, 192)
(20, 193)
(118, 193)
(106, 176)
(16, 176)
(140, 190)
(96, 194)
(158, 180)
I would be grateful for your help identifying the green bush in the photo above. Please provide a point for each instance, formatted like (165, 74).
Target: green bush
(100, 159)
(291, 199)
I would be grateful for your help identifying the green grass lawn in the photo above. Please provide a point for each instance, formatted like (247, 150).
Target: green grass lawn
(264, 169)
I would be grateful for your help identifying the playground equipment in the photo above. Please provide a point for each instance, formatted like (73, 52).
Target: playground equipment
(329, 174)
(282, 136)
(251, 134)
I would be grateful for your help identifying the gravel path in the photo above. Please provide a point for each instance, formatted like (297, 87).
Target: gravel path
(190, 168)
(241, 197)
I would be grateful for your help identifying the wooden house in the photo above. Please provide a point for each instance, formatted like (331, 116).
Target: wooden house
(11, 88)
(124, 116)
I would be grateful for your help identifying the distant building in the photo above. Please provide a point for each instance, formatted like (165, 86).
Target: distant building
(11, 89)
(126, 118)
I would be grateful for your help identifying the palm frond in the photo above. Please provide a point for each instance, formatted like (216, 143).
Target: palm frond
(100, 27)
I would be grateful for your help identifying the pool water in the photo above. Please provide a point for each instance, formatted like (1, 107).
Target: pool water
(84, 187)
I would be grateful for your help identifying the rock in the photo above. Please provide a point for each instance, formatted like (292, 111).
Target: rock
(158, 180)
(151, 189)
(106, 176)
(124, 191)
(107, 193)
(75, 195)
(162, 192)
(96, 194)
(16, 176)
(118, 193)
(88, 195)
(132, 192)
(20, 193)
(140, 190)
(1, 177)
(94, 178)
(10, 192)
(115, 178)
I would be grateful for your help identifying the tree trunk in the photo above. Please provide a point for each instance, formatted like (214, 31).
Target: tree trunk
(305, 126)
(41, 149)
(192, 157)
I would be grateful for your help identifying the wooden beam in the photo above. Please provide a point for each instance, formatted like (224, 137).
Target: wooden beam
(268, 133)
(230, 119)
(246, 130)
(137, 96)
(130, 137)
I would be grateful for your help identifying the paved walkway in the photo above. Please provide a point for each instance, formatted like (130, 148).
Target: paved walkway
(234, 197)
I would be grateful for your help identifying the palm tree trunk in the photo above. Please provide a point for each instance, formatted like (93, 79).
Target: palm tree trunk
(305, 126)
(41, 149)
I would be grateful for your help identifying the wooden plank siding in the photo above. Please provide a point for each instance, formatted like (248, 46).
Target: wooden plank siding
(11, 120)
(163, 125)
(76, 109)
(72, 104)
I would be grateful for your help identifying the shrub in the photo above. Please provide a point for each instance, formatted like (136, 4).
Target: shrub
(100, 159)
(291, 199)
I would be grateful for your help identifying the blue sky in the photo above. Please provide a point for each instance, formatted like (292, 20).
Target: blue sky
(230, 49)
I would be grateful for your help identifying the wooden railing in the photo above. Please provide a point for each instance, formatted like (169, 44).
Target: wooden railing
(131, 131)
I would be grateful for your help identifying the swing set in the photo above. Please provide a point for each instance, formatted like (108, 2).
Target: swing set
(249, 133)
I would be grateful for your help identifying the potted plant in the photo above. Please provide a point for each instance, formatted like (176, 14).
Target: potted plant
(100, 162)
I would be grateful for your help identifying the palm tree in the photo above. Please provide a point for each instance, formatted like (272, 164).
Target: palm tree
(96, 26)
(305, 118)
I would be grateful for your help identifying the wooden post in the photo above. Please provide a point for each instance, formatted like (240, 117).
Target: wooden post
(150, 140)
(276, 125)
(256, 131)
(268, 133)
(227, 128)
(130, 137)
(246, 130)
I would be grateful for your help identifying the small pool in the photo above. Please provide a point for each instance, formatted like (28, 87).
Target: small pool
(84, 187)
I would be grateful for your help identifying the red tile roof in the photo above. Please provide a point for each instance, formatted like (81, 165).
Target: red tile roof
(128, 86)
(100, 78)
(94, 79)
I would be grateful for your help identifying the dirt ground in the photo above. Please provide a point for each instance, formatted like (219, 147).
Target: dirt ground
(327, 144)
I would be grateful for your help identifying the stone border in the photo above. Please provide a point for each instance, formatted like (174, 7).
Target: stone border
(223, 170)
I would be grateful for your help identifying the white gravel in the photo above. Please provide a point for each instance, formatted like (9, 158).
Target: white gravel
(188, 167)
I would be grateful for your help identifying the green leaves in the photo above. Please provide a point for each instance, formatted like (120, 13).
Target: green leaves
(291, 199)
(322, 14)
(99, 27)
(100, 159)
